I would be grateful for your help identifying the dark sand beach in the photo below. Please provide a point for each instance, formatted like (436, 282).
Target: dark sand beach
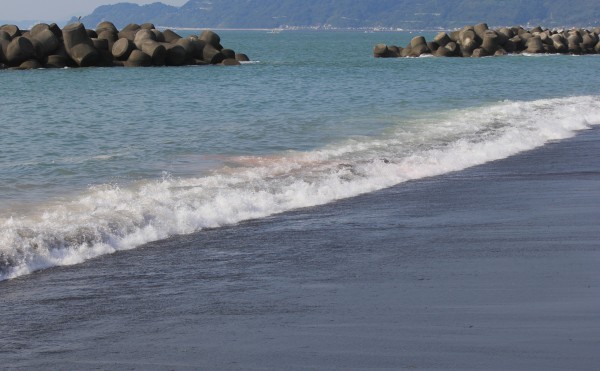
(494, 267)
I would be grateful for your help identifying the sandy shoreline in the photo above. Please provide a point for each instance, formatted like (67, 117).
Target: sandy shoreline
(494, 267)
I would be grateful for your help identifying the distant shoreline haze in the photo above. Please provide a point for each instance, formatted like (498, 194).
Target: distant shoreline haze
(328, 14)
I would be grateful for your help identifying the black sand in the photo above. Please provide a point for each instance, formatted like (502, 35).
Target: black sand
(495, 267)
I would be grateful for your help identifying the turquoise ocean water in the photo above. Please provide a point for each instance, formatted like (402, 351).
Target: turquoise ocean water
(93, 161)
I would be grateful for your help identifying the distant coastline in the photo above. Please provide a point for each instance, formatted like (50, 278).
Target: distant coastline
(27, 24)
(401, 15)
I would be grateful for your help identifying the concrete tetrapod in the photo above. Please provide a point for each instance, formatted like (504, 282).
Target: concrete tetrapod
(211, 55)
(48, 41)
(79, 45)
(156, 51)
(138, 58)
(170, 36)
(480, 41)
(211, 38)
(176, 55)
(56, 61)
(244, 58)
(12, 30)
(135, 45)
(18, 51)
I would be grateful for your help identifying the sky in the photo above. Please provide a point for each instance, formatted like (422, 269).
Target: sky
(60, 10)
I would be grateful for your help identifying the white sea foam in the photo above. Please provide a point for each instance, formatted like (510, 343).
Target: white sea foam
(108, 218)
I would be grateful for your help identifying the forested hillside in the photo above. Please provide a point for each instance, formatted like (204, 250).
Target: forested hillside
(405, 14)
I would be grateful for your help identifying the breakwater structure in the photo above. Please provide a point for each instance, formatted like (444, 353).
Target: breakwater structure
(48, 46)
(481, 41)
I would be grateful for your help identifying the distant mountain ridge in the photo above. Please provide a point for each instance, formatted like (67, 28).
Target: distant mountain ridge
(405, 14)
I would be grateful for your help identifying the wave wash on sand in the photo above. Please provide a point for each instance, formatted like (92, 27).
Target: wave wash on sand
(110, 218)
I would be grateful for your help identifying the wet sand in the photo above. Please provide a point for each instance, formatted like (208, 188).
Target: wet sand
(494, 267)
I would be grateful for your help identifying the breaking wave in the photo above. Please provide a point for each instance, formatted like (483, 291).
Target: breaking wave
(109, 218)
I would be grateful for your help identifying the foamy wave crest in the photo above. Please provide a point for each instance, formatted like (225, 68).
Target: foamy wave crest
(107, 219)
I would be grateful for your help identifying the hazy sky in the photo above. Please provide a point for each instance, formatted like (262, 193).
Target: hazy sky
(60, 10)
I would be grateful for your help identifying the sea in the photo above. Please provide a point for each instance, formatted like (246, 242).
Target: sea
(98, 162)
